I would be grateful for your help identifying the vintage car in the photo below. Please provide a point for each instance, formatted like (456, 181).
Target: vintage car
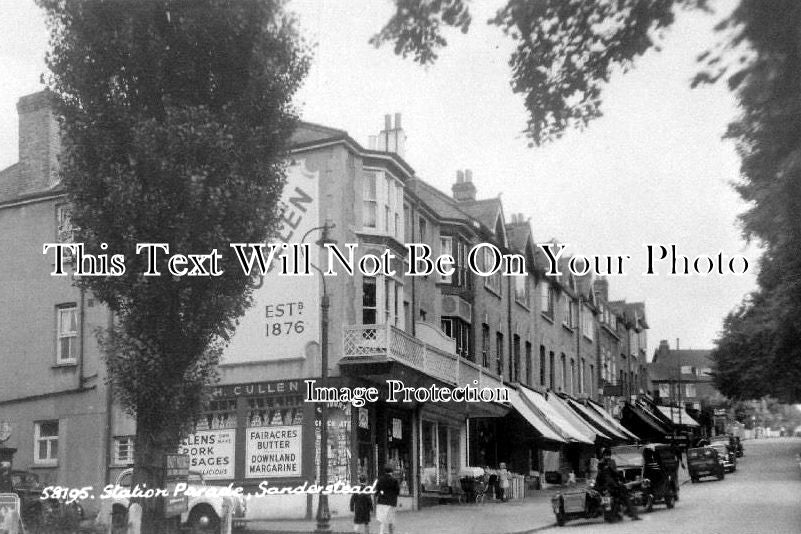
(42, 514)
(729, 458)
(704, 462)
(648, 472)
(655, 466)
(204, 512)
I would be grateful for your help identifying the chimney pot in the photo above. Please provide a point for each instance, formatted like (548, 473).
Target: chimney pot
(397, 121)
(387, 122)
(463, 189)
(459, 177)
(468, 175)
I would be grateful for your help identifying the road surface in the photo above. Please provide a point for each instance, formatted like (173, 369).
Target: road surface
(762, 496)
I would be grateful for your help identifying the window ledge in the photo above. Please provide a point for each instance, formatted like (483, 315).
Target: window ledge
(547, 317)
(567, 327)
(44, 465)
(585, 336)
(522, 304)
(68, 364)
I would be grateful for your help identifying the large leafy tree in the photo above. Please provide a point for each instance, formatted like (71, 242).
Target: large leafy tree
(175, 120)
(565, 53)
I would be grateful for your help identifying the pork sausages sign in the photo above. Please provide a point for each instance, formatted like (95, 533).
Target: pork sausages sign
(211, 452)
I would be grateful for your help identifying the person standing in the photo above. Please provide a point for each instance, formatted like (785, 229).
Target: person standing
(503, 482)
(361, 505)
(387, 490)
(609, 478)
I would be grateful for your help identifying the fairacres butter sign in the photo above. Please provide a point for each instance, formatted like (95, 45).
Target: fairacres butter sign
(284, 317)
(273, 452)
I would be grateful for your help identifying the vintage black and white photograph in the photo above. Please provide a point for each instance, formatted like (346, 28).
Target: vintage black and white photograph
(400, 266)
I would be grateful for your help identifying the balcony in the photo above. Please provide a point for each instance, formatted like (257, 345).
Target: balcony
(387, 343)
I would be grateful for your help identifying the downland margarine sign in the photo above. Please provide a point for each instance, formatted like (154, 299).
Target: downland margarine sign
(284, 317)
(273, 452)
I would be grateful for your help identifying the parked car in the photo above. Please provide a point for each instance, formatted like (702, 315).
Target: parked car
(42, 514)
(729, 458)
(203, 514)
(705, 462)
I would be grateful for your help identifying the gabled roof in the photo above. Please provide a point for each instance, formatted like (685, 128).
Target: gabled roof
(489, 212)
(666, 363)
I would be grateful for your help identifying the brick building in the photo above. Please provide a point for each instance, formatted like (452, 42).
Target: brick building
(536, 337)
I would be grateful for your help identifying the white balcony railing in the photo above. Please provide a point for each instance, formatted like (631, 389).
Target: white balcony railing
(388, 342)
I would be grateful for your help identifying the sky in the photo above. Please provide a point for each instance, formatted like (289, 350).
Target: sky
(653, 170)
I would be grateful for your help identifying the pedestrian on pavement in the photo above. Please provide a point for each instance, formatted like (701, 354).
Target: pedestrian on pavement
(503, 482)
(387, 490)
(361, 505)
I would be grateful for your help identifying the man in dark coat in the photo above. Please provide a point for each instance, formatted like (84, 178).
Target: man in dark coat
(387, 490)
(361, 505)
(608, 477)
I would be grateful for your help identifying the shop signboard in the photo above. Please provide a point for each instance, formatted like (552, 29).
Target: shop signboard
(273, 451)
(285, 316)
(211, 453)
(176, 469)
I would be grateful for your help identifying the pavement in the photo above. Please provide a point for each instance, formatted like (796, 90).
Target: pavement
(529, 515)
(491, 517)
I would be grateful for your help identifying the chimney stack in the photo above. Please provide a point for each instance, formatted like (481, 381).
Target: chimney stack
(39, 139)
(463, 189)
(602, 288)
(391, 139)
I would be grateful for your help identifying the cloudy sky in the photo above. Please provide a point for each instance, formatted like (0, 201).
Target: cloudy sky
(653, 170)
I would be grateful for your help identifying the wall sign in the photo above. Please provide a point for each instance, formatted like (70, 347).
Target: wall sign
(211, 452)
(285, 316)
(273, 451)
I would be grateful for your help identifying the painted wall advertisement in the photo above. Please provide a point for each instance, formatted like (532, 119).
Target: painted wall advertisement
(273, 452)
(211, 452)
(284, 317)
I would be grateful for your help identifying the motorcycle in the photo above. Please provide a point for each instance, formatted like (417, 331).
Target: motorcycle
(612, 506)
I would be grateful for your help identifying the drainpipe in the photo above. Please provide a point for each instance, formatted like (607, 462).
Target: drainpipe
(109, 414)
(81, 315)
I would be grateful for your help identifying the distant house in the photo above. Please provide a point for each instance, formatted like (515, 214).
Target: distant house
(685, 378)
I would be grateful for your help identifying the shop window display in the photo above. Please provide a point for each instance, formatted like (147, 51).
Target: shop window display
(339, 442)
(399, 447)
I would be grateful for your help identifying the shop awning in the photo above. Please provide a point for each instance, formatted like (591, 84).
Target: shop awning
(568, 431)
(561, 405)
(673, 414)
(598, 421)
(646, 424)
(598, 409)
(539, 424)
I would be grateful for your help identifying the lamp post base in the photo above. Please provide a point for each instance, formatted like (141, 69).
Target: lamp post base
(323, 515)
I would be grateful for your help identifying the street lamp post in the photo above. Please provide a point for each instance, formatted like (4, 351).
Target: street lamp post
(323, 512)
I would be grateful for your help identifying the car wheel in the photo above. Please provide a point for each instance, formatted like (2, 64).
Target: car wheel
(203, 519)
(649, 502)
(721, 475)
(669, 501)
(694, 480)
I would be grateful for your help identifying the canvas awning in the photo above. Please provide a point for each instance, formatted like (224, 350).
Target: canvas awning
(598, 421)
(568, 431)
(647, 425)
(589, 431)
(535, 420)
(598, 409)
(673, 414)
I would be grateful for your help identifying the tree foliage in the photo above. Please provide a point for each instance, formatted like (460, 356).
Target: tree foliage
(566, 51)
(176, 118)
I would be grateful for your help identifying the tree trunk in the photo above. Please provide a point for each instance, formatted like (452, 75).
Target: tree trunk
(151, 445)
